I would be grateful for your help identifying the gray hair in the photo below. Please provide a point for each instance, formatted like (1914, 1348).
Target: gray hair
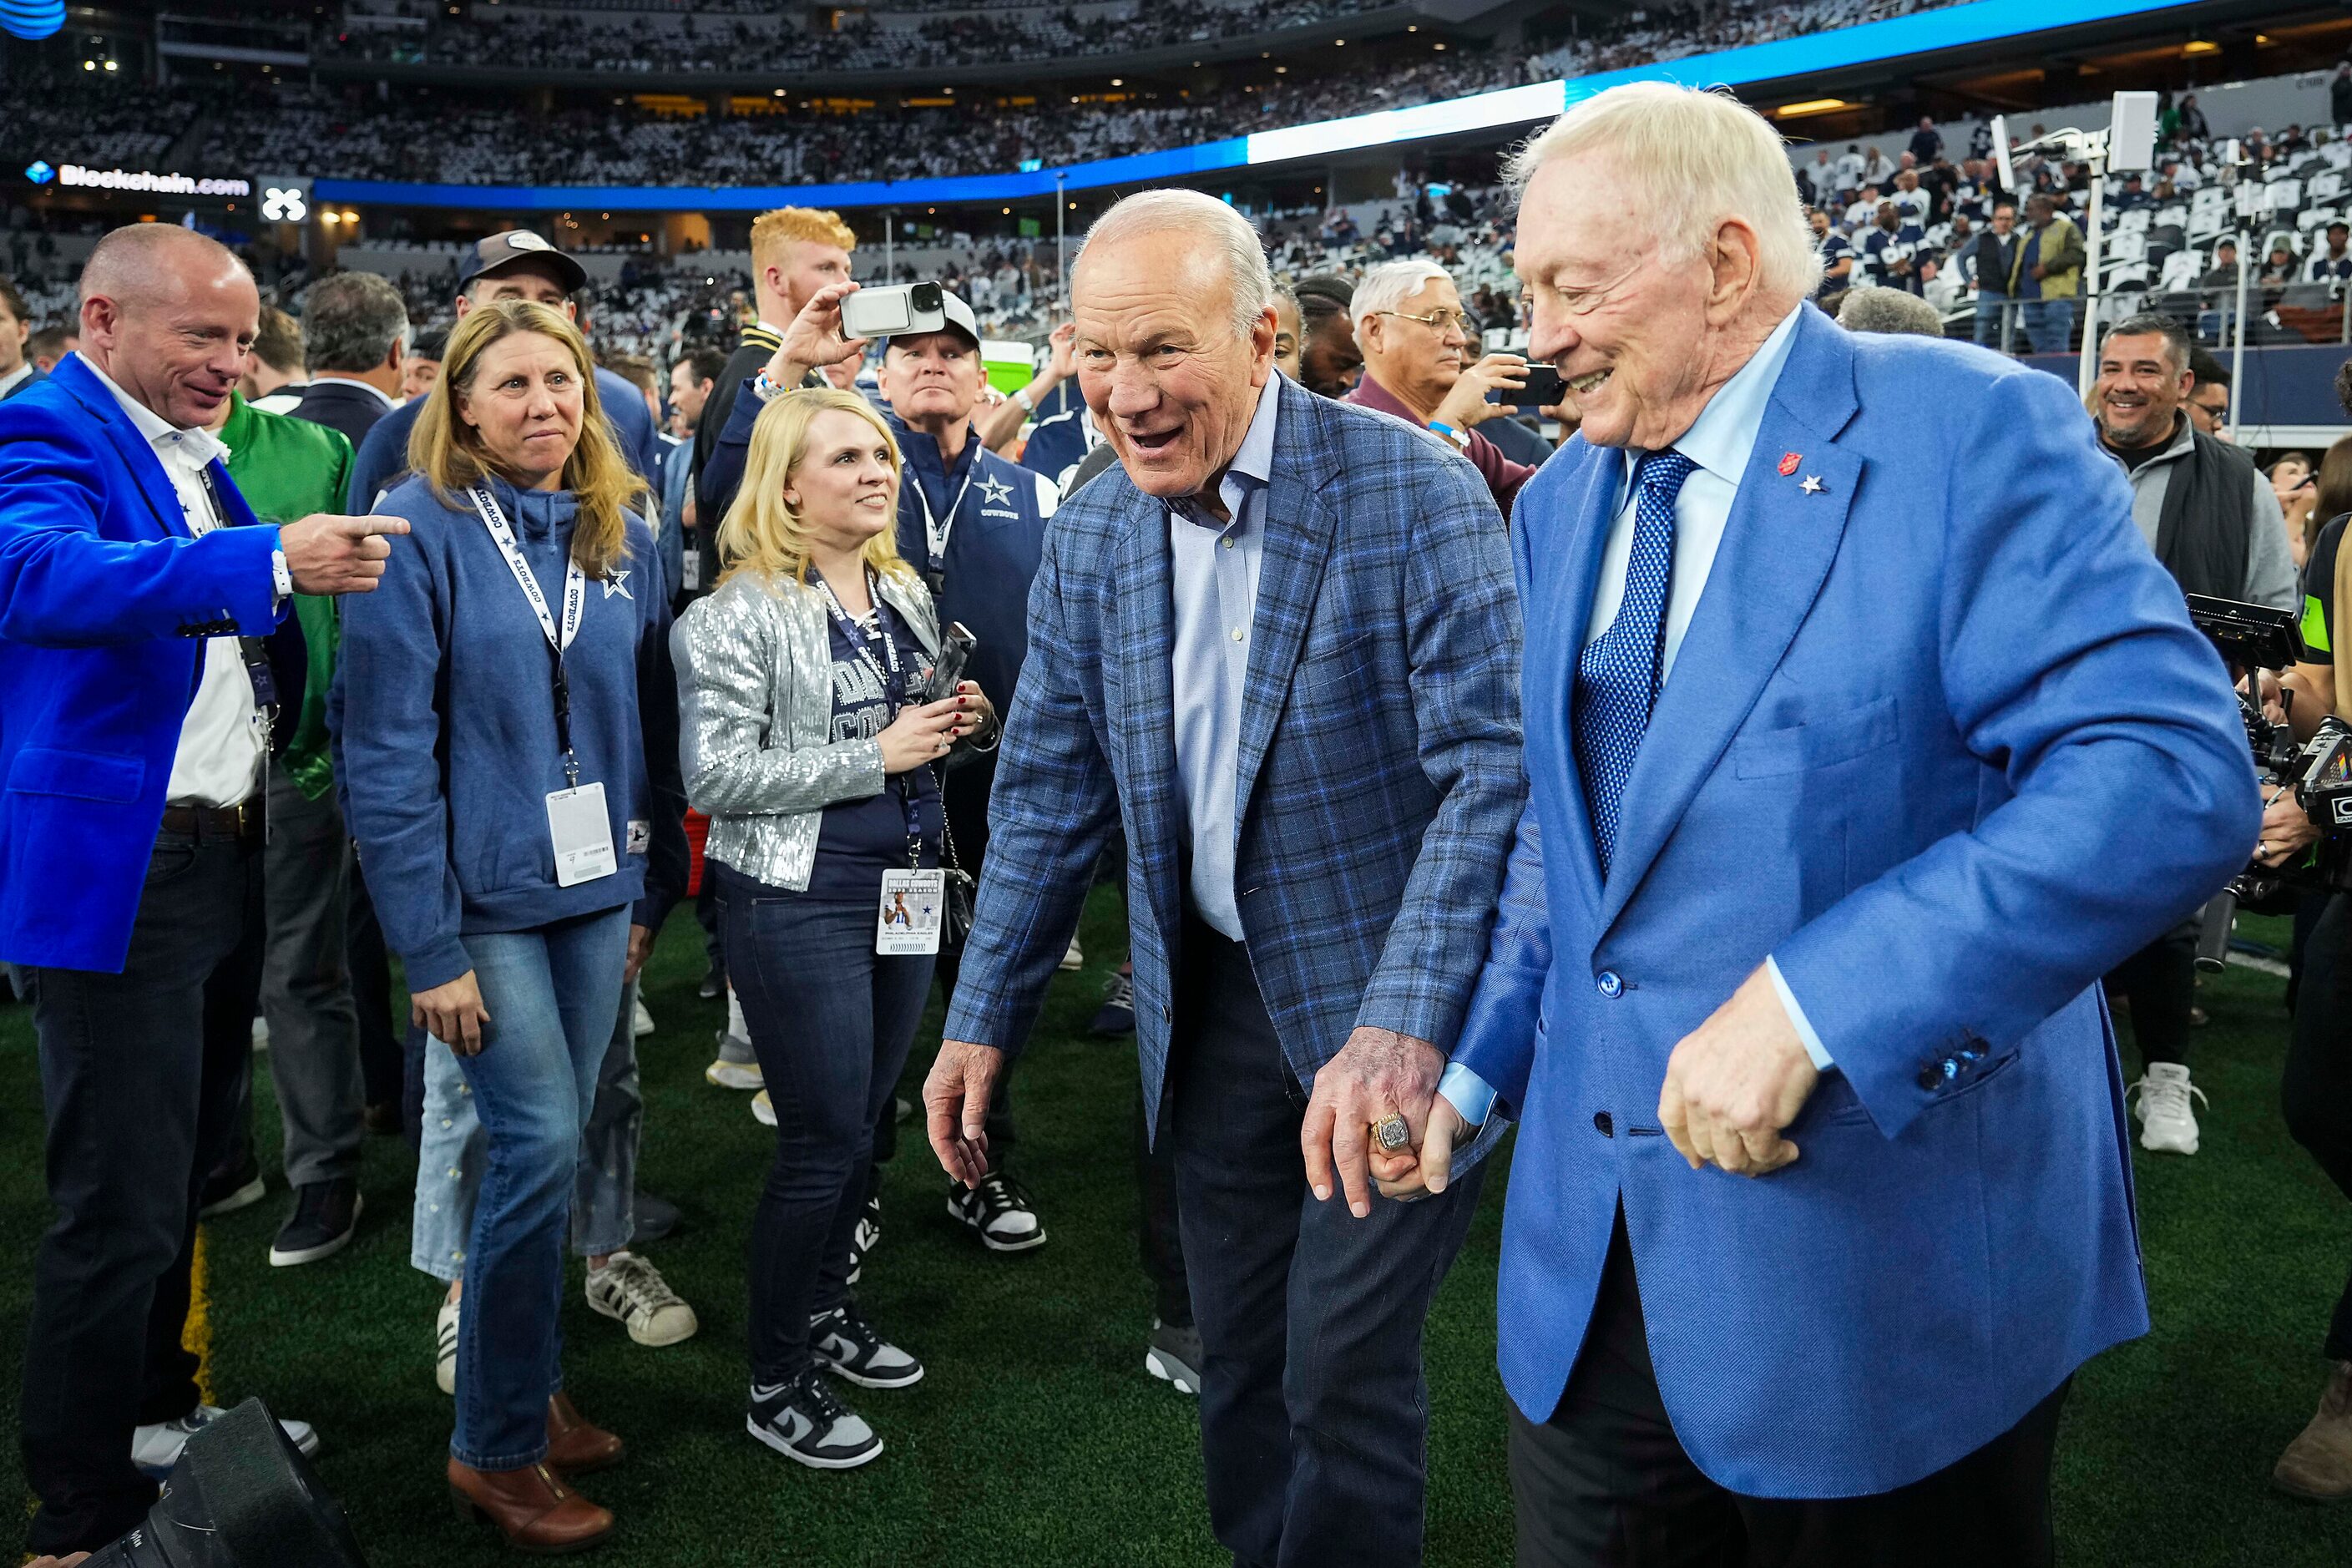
(1199, 214)
(1698, 157)
(350, 321)
(1893, 311)
(1391, 284)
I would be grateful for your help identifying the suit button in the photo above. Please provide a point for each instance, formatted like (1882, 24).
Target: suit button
(1609, 984)
(1603, 1125)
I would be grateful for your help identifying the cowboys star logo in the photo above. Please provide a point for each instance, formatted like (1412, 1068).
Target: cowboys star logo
(617, 584)
(995, 492)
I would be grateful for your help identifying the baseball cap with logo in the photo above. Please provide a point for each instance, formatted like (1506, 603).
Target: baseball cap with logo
(501, 251)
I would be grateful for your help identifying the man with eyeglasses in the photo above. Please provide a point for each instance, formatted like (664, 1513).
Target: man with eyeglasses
(1419, 366)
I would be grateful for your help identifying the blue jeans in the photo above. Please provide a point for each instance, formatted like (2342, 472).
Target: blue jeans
(551, 994)
(1993, 309)
(453, 1150)
(831, 1021)
(2049, 324)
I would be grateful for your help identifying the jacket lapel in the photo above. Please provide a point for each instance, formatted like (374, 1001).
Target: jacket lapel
(1548, 683)
(1776, 549)
(132, 447)
(1297, 528)
(1138, 633)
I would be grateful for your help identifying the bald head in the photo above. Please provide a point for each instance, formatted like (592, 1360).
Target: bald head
(169, 315)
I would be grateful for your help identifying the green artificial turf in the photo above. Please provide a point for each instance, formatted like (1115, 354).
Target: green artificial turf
(1037, 1438)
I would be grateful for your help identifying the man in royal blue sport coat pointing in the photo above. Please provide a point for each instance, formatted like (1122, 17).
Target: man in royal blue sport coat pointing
(1865, 733)
(135, 589)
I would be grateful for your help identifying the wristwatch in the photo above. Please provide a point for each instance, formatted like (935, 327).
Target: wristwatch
(281, 577)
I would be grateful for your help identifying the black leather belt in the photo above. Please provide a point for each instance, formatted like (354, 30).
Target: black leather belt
(242, 821)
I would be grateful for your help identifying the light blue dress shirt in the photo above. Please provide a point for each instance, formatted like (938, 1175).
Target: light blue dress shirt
(1721, 441)
(1213, 568)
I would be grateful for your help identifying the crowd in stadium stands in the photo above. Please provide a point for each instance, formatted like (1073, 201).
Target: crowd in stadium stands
(429, 139)
(556, 35)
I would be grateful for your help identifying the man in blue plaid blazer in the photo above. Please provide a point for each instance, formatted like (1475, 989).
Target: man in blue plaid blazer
(1283, 649)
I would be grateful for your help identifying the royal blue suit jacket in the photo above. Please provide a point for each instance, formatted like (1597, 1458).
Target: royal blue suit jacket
(105, 602)
(1379, 767)
(1941, 740)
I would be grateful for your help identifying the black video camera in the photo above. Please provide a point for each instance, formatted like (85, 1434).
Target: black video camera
(2251, 638)
(240, 1496)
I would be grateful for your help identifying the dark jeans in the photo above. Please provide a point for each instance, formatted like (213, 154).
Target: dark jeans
(139, 1076)
(2316, 1090)
(1161, 1235)
(2160, 981)
(1605, 1483)
(381, 1058)
(831, 1021)
(1314, 1412)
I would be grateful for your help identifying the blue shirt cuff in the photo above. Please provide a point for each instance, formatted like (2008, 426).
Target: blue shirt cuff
(1789, 1004)
(1468, 1093)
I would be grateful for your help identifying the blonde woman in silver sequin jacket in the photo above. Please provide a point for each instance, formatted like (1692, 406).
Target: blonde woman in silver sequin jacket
(805, 743)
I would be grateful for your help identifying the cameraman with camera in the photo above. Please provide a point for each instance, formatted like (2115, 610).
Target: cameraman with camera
(2215, 525)
(2316, 1089)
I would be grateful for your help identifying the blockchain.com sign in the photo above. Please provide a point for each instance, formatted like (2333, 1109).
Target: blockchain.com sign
(147, 182)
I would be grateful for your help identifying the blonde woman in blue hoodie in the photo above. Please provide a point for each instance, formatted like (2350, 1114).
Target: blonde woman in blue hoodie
(506, 739)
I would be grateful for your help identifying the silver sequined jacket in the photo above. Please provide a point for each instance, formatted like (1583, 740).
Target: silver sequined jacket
(755, 719)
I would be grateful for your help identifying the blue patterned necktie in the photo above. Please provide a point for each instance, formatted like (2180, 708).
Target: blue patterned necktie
(1617, 673)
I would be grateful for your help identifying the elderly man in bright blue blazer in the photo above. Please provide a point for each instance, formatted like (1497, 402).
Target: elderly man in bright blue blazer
(132, 741)
(1280, 646)
(1864, 734)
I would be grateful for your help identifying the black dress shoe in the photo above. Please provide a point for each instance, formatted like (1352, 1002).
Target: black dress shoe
(657, 1217)
(325, 1216)
(714, 984)
(232, 1188)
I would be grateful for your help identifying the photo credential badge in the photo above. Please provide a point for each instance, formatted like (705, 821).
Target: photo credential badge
(583, 833)
(914, 907)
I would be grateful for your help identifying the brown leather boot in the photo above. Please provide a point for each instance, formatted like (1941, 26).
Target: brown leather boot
(2318, 1464)
(574, 1447)
(538, 1512)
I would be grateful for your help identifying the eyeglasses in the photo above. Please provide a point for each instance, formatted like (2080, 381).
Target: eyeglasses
(1439, 321)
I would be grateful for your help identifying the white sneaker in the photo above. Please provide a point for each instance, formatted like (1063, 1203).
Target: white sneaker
(2167, 1122)
(156, 1449)
(261, 1034)
(738, 1066)
(1074, 960)
(763, 1110)
(631, 1290)
(641, 1022)
(445, 1344)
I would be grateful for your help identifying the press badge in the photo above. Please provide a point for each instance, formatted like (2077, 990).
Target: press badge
(913, 906)
(582, 835)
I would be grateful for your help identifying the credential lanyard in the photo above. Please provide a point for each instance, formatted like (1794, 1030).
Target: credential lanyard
(936, 529)
(575, 597)
(893, 693)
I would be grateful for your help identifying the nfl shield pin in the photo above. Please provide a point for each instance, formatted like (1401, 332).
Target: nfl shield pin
(1789, 461)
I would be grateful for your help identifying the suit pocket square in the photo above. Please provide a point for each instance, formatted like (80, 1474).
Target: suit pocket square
(1817, 743)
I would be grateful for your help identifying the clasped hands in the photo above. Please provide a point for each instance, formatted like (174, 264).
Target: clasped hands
(1733, 1085)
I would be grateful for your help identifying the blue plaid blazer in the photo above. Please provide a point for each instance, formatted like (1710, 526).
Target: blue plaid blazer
(1380, 769)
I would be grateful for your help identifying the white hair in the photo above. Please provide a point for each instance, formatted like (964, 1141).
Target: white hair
(1391, 284)
(1698, 157)
(1217, 224)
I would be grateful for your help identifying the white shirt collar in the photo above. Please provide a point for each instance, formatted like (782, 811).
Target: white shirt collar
(337, 378)
(196, 447)
(21, 373)
(1722, 436)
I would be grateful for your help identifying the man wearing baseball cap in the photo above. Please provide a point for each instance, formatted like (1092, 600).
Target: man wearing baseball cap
(515, 264)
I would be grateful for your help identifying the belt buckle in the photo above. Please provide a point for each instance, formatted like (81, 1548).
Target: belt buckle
(248, 818)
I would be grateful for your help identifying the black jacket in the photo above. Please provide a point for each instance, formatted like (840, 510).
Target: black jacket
(343, 405)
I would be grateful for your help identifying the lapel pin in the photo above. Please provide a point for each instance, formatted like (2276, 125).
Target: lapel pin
(1789, 461)
(1812, 485)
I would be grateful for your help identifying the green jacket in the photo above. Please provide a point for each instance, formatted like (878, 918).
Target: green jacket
(2062, 257)
(287, 468)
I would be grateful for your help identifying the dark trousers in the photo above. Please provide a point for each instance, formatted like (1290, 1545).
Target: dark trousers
(1605, 1483)
(1160, 1233)
(2160, 981)
(1314, 1412)
(963, 798)
(2316, 1090)
(382, 1059)
(830, 1021)
(139, 1077)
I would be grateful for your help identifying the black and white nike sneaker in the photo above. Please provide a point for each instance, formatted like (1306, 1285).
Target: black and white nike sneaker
(843, 1340)
(999, 1211)
(866, 1238)
(805, 1420)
